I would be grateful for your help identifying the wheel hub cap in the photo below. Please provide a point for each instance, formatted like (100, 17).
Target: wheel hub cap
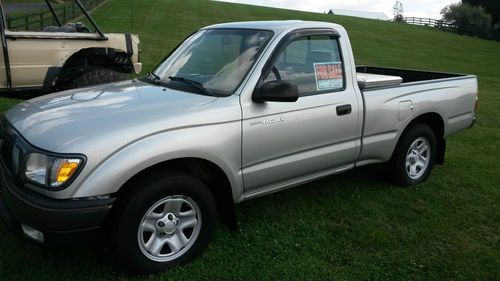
(169, 228)
(418, 158)
(167, 225)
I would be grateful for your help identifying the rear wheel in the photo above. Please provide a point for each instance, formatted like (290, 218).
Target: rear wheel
(97, 76)
(166, 222)
(414, 155)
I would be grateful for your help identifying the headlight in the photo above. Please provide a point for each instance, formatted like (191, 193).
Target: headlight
(36, 168)
(50, 171)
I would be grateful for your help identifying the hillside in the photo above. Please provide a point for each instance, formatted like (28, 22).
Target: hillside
(163, 24)
(354, 226)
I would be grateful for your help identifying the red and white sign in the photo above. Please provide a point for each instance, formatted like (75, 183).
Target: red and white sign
(328, 75)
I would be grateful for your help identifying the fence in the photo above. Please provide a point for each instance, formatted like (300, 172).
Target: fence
(37, 21)
(440, 24)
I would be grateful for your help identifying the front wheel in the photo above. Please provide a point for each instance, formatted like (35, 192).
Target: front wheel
(164, 223)
(414, 156)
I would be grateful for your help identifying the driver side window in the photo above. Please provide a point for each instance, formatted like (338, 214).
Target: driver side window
(313, 62)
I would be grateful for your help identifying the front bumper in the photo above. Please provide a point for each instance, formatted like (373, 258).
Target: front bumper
(65, 224)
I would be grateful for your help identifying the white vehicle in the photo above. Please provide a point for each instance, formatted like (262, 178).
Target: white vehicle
(237, 111)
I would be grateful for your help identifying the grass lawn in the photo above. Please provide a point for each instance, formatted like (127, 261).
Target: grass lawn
(21, 1)
(353, 226)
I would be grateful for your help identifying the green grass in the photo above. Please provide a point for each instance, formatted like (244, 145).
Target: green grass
(353, 226)
(21, 1)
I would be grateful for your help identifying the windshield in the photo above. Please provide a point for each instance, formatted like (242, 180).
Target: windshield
(213, 61)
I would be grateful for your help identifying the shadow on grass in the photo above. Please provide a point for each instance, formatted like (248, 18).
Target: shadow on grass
(99, 263)
(21, 259)
(371, 177)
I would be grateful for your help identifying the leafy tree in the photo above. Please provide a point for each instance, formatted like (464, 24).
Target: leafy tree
(469, 20)
(492, 7)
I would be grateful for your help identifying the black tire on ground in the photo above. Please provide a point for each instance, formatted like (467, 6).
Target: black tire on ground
(411, 163)
(97, 76)
(128, 238)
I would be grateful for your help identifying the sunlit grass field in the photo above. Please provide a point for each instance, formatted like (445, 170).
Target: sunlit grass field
(354, 226)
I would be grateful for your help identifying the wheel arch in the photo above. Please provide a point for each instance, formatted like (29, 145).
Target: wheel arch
(92, 58)
(436, 122)
(210, 173)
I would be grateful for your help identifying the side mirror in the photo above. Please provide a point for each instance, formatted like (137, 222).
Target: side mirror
(280, 90)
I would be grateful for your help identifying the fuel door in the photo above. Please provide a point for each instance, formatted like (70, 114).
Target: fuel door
(405, 109)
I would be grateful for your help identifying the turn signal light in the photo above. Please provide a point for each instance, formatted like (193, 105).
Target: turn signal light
(63, 169)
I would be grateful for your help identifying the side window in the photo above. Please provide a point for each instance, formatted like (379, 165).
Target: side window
(313, 62)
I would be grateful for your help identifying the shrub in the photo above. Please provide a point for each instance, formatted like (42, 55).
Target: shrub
(496, 32)
(399, 18)
(469, 20)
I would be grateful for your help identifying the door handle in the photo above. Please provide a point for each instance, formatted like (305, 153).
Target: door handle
(344, 109)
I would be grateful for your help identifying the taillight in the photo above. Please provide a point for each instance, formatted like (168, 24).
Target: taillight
(475, 106)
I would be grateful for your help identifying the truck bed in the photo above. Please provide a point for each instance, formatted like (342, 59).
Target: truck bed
(387, 110)
(408, 76)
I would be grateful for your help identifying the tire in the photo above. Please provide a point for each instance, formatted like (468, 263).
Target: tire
(414, 156)
(166, 221)
(97, 76)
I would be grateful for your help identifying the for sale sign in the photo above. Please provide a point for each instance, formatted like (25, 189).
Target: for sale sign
(328, 75)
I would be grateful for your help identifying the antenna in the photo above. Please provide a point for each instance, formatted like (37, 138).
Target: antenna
(131, 16)
(132, 32)
(398, 12)
(398, 9)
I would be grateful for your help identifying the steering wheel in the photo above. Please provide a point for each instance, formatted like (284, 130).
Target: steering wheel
(276, 73)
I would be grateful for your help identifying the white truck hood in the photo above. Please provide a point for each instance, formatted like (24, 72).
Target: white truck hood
(55, 122)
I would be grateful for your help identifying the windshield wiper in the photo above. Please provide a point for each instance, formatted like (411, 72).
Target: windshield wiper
(195, 84)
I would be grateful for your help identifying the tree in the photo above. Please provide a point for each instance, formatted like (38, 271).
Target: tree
(469, 20)
(492, 7)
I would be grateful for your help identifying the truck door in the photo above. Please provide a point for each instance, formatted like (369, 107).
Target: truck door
(287, 141)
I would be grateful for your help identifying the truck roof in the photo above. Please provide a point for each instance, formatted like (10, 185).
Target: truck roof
(276, 26)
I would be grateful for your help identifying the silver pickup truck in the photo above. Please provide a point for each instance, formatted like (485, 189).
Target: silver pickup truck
(236, 111)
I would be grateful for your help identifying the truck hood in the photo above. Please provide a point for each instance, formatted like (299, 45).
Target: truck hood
(59, 121)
